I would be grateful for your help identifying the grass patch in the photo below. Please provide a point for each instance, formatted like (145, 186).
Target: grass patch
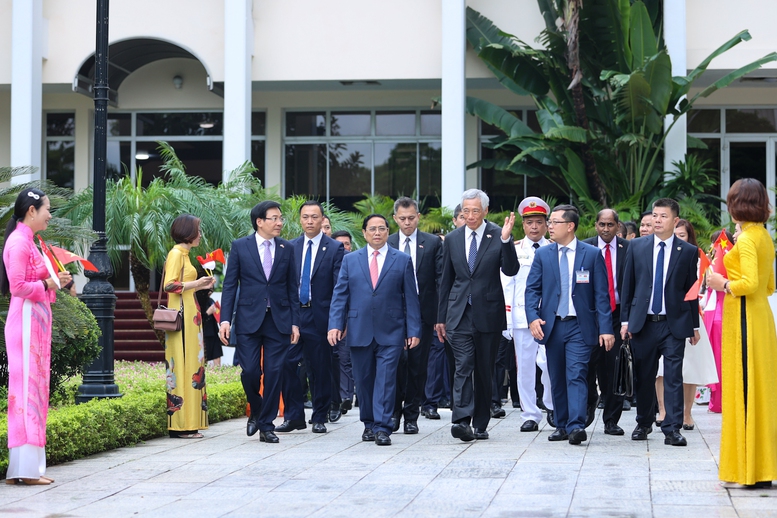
(75, 431)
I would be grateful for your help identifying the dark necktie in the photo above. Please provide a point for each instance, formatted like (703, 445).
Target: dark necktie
(473, 254)
(304, 290)
(610, 278)
(563, 270)
(535, 246)
(658, 282)
(407, 246)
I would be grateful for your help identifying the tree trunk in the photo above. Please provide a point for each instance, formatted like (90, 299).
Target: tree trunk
(142, 276)
(572, 18)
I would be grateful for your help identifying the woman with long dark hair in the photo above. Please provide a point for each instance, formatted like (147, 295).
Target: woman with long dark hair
(25, 276)
(748, 449)
(187, 399)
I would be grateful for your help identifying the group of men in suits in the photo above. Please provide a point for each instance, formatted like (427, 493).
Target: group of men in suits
(567, 305)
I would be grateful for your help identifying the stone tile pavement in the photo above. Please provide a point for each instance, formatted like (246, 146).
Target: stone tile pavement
(425, 475)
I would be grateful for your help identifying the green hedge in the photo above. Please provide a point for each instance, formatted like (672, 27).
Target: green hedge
(74, 432)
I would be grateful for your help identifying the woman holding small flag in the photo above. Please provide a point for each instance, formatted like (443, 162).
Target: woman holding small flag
(748, 449)
(32, 282)
(187, 399)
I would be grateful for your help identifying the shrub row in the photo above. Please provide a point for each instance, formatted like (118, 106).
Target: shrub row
(76, 431)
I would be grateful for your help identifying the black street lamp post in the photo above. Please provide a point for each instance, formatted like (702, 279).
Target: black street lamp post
(98, 293)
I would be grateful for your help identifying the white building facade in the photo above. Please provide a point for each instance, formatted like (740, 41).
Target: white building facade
(328, 99)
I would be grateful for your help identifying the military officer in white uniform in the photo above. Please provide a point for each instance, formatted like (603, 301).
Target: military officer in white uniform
(528, 352)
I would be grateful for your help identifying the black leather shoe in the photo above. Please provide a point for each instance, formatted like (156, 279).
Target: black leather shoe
(268, 437)
(252, 426)
(444, 403)
(430, 413)
(395, 423)
(626, 404)
(659, 422)
(611, 428)
(334, 413)
(367, 435)
(462, 431)
(497, 411)
(541, 405)
(382, 439)
(550, 419)
(516, 404)
(590, 415)
(319, 428)
(529, 426)
(481, 435)
(290, 426)
(577, 436)
(675, 439)
(411, 427)
(345, 406)
(689, 426)
(600, 404)
(558, 435)
(640, 433)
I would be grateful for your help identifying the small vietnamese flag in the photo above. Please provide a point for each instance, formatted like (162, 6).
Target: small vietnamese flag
(52, 265)
(66, 257)
(720, 248)
(209, 261)
(704, 263)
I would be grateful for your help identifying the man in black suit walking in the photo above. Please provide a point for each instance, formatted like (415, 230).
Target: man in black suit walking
(317, 259)
(659, 272)
(471, 313)
(261, 281)
(602, 362)
(425, 250)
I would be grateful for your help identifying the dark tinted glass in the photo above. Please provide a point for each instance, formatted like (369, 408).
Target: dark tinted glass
(306, 170)
(258, 123)
(305, 124)
(179, 124)
(60, 124)
(350, 123)
(430, 174)
(118, 159)
(395, 169)
(747, 160)
(119, 124)
(60, 162)
(202, 158)
(350, 168)
(704, 121)
(257, 157)
(505, 189)
(751, 121)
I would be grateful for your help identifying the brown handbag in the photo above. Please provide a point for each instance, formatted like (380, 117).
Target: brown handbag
(165, 319)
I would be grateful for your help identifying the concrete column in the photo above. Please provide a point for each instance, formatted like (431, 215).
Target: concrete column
(238, 51)
(454, 91)
(26, 87)
(675, 36)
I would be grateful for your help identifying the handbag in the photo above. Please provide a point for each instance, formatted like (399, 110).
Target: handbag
(166, 319)
(623, 381)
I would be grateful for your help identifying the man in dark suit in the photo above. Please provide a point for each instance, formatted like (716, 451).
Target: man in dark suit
(471, 313)
(568, 310)
(425, 251)
(262, 267)
(602, 364)
(659, 272)
(317, 258)
(376, 292)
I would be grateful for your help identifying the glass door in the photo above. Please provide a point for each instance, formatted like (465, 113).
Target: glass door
(748, 157)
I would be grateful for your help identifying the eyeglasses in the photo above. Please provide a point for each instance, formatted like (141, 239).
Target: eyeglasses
(557, 222)
(275, 219)
(474, 212)
(372, 230)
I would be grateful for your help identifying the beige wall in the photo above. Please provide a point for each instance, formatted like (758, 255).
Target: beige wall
(151, 87)
(5, 42)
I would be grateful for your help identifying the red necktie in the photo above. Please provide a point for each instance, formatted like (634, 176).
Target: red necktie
(374, 269)
(610, 281)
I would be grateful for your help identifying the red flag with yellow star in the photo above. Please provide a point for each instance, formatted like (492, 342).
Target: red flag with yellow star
(704, 263)
(720, 248)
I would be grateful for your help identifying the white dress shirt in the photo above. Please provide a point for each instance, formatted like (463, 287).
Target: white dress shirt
(381, 257)
(413, 243)
(314, 251)
(481, 230)
(571, 263)
(614, 257)
(260, 245)
(667, 252)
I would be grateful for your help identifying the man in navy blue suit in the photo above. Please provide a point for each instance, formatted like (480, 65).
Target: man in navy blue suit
(568, 310)
(262, 267)
(376, 292)
(317, 258)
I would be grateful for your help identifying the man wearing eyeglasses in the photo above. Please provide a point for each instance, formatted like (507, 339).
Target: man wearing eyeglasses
(568, 310)
(425, 251)
(317, 257)
(471, 313)
(376, 292)
(263, 283)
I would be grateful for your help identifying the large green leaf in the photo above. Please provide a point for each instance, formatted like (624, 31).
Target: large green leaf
(658, 74)
(642, 40)
(631, 98)
(574, 174)
(733, 76)
(499, 117)
(524, 70)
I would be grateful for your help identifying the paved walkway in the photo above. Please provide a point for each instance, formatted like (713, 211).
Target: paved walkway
(426, 475)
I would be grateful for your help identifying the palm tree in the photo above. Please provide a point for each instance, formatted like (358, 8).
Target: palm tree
(138, 219)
